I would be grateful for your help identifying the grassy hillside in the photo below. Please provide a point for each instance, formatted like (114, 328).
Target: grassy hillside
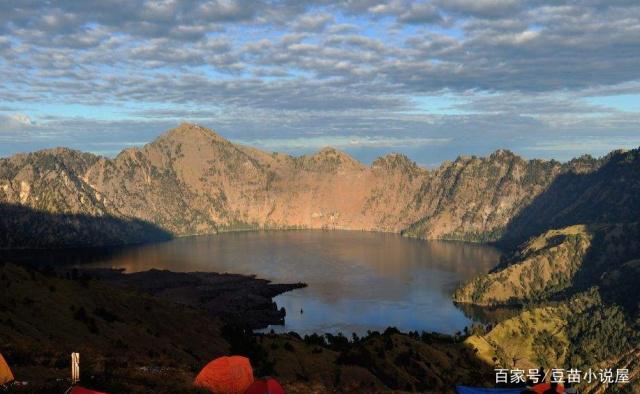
(380, 362)
(545, 265)
(582, 332)
(582, 307)
(567, 260)
(45, 318)
(571, 231)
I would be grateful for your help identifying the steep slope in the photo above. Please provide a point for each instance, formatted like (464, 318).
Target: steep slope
(50, 181)
(533, 338)
(184, 181)
(582, 332)
(571, 259)
(604, 192)
(475, 198)
(545, 265)
(583, 308)
(192, 181)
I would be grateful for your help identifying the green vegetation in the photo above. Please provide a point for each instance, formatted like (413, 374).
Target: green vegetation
(583, 313)
(44, 318)
(377, 362)
(544, 266)
(600, 333)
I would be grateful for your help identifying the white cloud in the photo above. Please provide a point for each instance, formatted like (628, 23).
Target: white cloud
(262, 70)
(14, 122)
(21, 119)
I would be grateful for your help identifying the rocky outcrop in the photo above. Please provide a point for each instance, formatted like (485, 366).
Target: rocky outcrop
(475, 198)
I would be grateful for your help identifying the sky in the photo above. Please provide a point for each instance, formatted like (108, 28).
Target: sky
(430, 79)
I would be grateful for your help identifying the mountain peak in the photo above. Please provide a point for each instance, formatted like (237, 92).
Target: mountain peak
(329, 150)
(329, 159)
(503, 154)
(190, 132)
(330, 153)
(394, 161)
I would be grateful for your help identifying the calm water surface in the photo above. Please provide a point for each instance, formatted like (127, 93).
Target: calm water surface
(358, 281)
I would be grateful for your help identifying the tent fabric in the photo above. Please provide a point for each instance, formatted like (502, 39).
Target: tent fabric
(82, 390)
(226, 375)
(6, 376)
(484, 390)
(265, 386)
(542, 387)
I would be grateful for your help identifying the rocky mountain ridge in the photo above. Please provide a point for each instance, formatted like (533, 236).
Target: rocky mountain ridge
(192, 181)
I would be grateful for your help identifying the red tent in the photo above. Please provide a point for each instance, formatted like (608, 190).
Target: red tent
(542, 387)
(82, 390)
(265, 386)
(226, 375)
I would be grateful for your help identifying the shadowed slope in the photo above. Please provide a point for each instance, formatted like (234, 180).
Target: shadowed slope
(23, 227)
(45, 318)
(608, 193)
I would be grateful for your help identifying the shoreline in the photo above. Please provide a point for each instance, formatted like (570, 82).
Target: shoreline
(243, 300)
(495, 244)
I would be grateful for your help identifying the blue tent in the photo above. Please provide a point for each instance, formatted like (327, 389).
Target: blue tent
(484, 390)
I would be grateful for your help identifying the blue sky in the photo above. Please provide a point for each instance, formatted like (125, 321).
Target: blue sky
(431, 79)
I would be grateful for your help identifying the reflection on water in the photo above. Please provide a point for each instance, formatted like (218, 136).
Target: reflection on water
(357, 281)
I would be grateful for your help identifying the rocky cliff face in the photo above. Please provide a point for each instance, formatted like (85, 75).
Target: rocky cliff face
(602, 191)
(475, 198)
(191, 181)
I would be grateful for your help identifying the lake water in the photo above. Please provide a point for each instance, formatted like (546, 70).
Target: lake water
(358, 281)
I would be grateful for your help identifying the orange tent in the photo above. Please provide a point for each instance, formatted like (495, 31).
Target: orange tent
(6, 376)
(226, 375)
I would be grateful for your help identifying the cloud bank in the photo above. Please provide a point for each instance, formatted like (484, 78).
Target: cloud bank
(478, 74)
